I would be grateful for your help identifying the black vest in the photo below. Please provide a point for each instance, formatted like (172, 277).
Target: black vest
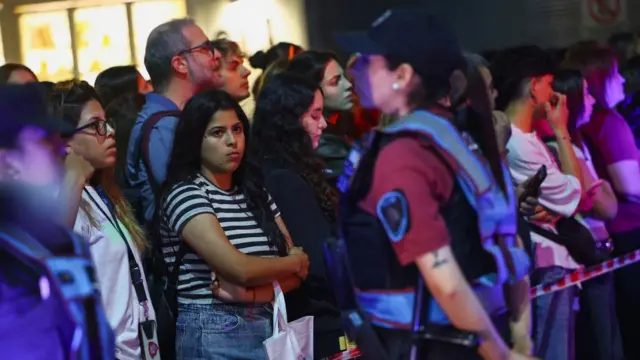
(373, 261)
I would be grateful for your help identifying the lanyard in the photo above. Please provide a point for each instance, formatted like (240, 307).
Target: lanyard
(134, 268)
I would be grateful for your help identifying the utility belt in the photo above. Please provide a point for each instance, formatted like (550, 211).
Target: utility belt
(366, 317)
(375, 337)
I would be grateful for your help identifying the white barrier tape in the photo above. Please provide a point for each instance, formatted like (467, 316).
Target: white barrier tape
(581, 275)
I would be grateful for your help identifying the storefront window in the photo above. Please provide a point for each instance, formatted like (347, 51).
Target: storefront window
(46, 45)
(146, 16)
(102, 38)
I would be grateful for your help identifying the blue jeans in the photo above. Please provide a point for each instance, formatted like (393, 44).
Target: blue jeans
(554, 317)
(222, 331)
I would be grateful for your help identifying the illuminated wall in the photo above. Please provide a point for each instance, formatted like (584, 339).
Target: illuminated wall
(59, 44)
(63, 39)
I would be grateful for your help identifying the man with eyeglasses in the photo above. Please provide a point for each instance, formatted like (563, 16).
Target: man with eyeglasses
(181, 63)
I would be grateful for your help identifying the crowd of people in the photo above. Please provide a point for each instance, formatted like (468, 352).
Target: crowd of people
(453, 181)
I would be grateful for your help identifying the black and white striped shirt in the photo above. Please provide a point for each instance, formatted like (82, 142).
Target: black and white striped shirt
(199, 196)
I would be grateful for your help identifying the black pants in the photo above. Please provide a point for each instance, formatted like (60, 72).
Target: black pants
(398, 344)
(627, 290)
(597, 329)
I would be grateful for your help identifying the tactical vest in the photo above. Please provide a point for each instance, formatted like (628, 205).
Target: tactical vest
(481, 222)
(69, 276)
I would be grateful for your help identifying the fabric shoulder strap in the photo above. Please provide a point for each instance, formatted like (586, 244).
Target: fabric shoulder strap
(145, 139)
(444, 136)
(23, 245)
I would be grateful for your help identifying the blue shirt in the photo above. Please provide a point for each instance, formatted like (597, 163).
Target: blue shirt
(160, 144)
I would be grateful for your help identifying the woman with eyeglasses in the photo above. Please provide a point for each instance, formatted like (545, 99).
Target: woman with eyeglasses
(104, 218)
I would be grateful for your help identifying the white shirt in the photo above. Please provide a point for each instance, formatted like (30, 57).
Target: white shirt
(559, 192)
(119, 298)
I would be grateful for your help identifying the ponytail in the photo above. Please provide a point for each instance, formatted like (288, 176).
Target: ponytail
(473, 114)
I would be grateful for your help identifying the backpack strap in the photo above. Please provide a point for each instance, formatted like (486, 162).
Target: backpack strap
(145, 139)
(144, 149)
(23, 246)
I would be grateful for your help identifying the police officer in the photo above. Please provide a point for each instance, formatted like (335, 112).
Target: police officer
(427, 200)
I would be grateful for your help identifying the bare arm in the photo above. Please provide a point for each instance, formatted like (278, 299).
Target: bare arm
(205, 236)
(233, 293)
(77, 171)
(520, 308)
(450, 289)
(568, 160)
(605, 204)
(624, 178)
(70, 196)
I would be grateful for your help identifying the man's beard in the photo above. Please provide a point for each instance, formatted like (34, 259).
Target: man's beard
(202, 81)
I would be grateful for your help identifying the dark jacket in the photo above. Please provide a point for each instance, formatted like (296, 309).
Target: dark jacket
(333, 150)
(309, 229)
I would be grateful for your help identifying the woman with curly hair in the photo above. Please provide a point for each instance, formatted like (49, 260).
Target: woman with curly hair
(324, 70)
(287, 126)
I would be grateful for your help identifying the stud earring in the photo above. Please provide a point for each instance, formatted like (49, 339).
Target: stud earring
(395, 86)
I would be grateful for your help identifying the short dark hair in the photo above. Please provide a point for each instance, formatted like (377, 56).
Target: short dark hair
(513, 67)
(7, 69)
(164, 42)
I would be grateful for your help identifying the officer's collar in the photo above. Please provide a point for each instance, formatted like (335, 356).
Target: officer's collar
(418, 117)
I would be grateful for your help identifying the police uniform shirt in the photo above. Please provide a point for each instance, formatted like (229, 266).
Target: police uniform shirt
(410, 183)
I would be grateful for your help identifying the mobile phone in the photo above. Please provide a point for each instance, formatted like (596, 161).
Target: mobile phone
(533, 186)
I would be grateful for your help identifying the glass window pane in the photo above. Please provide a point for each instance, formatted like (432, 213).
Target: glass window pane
(143, 23)
(102, 37)
(45, 40)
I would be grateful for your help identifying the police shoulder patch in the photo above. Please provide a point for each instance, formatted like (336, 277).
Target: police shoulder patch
(393, 212)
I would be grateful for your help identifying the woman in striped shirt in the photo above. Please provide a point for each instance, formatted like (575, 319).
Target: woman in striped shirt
(216, 217)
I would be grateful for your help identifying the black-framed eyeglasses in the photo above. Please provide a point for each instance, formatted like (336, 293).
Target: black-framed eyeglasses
(101, 126)
(204, 46)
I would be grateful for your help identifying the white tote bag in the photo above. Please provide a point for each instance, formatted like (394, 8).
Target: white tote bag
(290, 341)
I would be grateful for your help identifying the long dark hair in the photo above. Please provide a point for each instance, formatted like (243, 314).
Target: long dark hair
(123, 111)
(186, 159)
(311, 64)
(570, 83)
(474, 114)
(116, 81)
(282, 50)
(278, 132)
(470, 104)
